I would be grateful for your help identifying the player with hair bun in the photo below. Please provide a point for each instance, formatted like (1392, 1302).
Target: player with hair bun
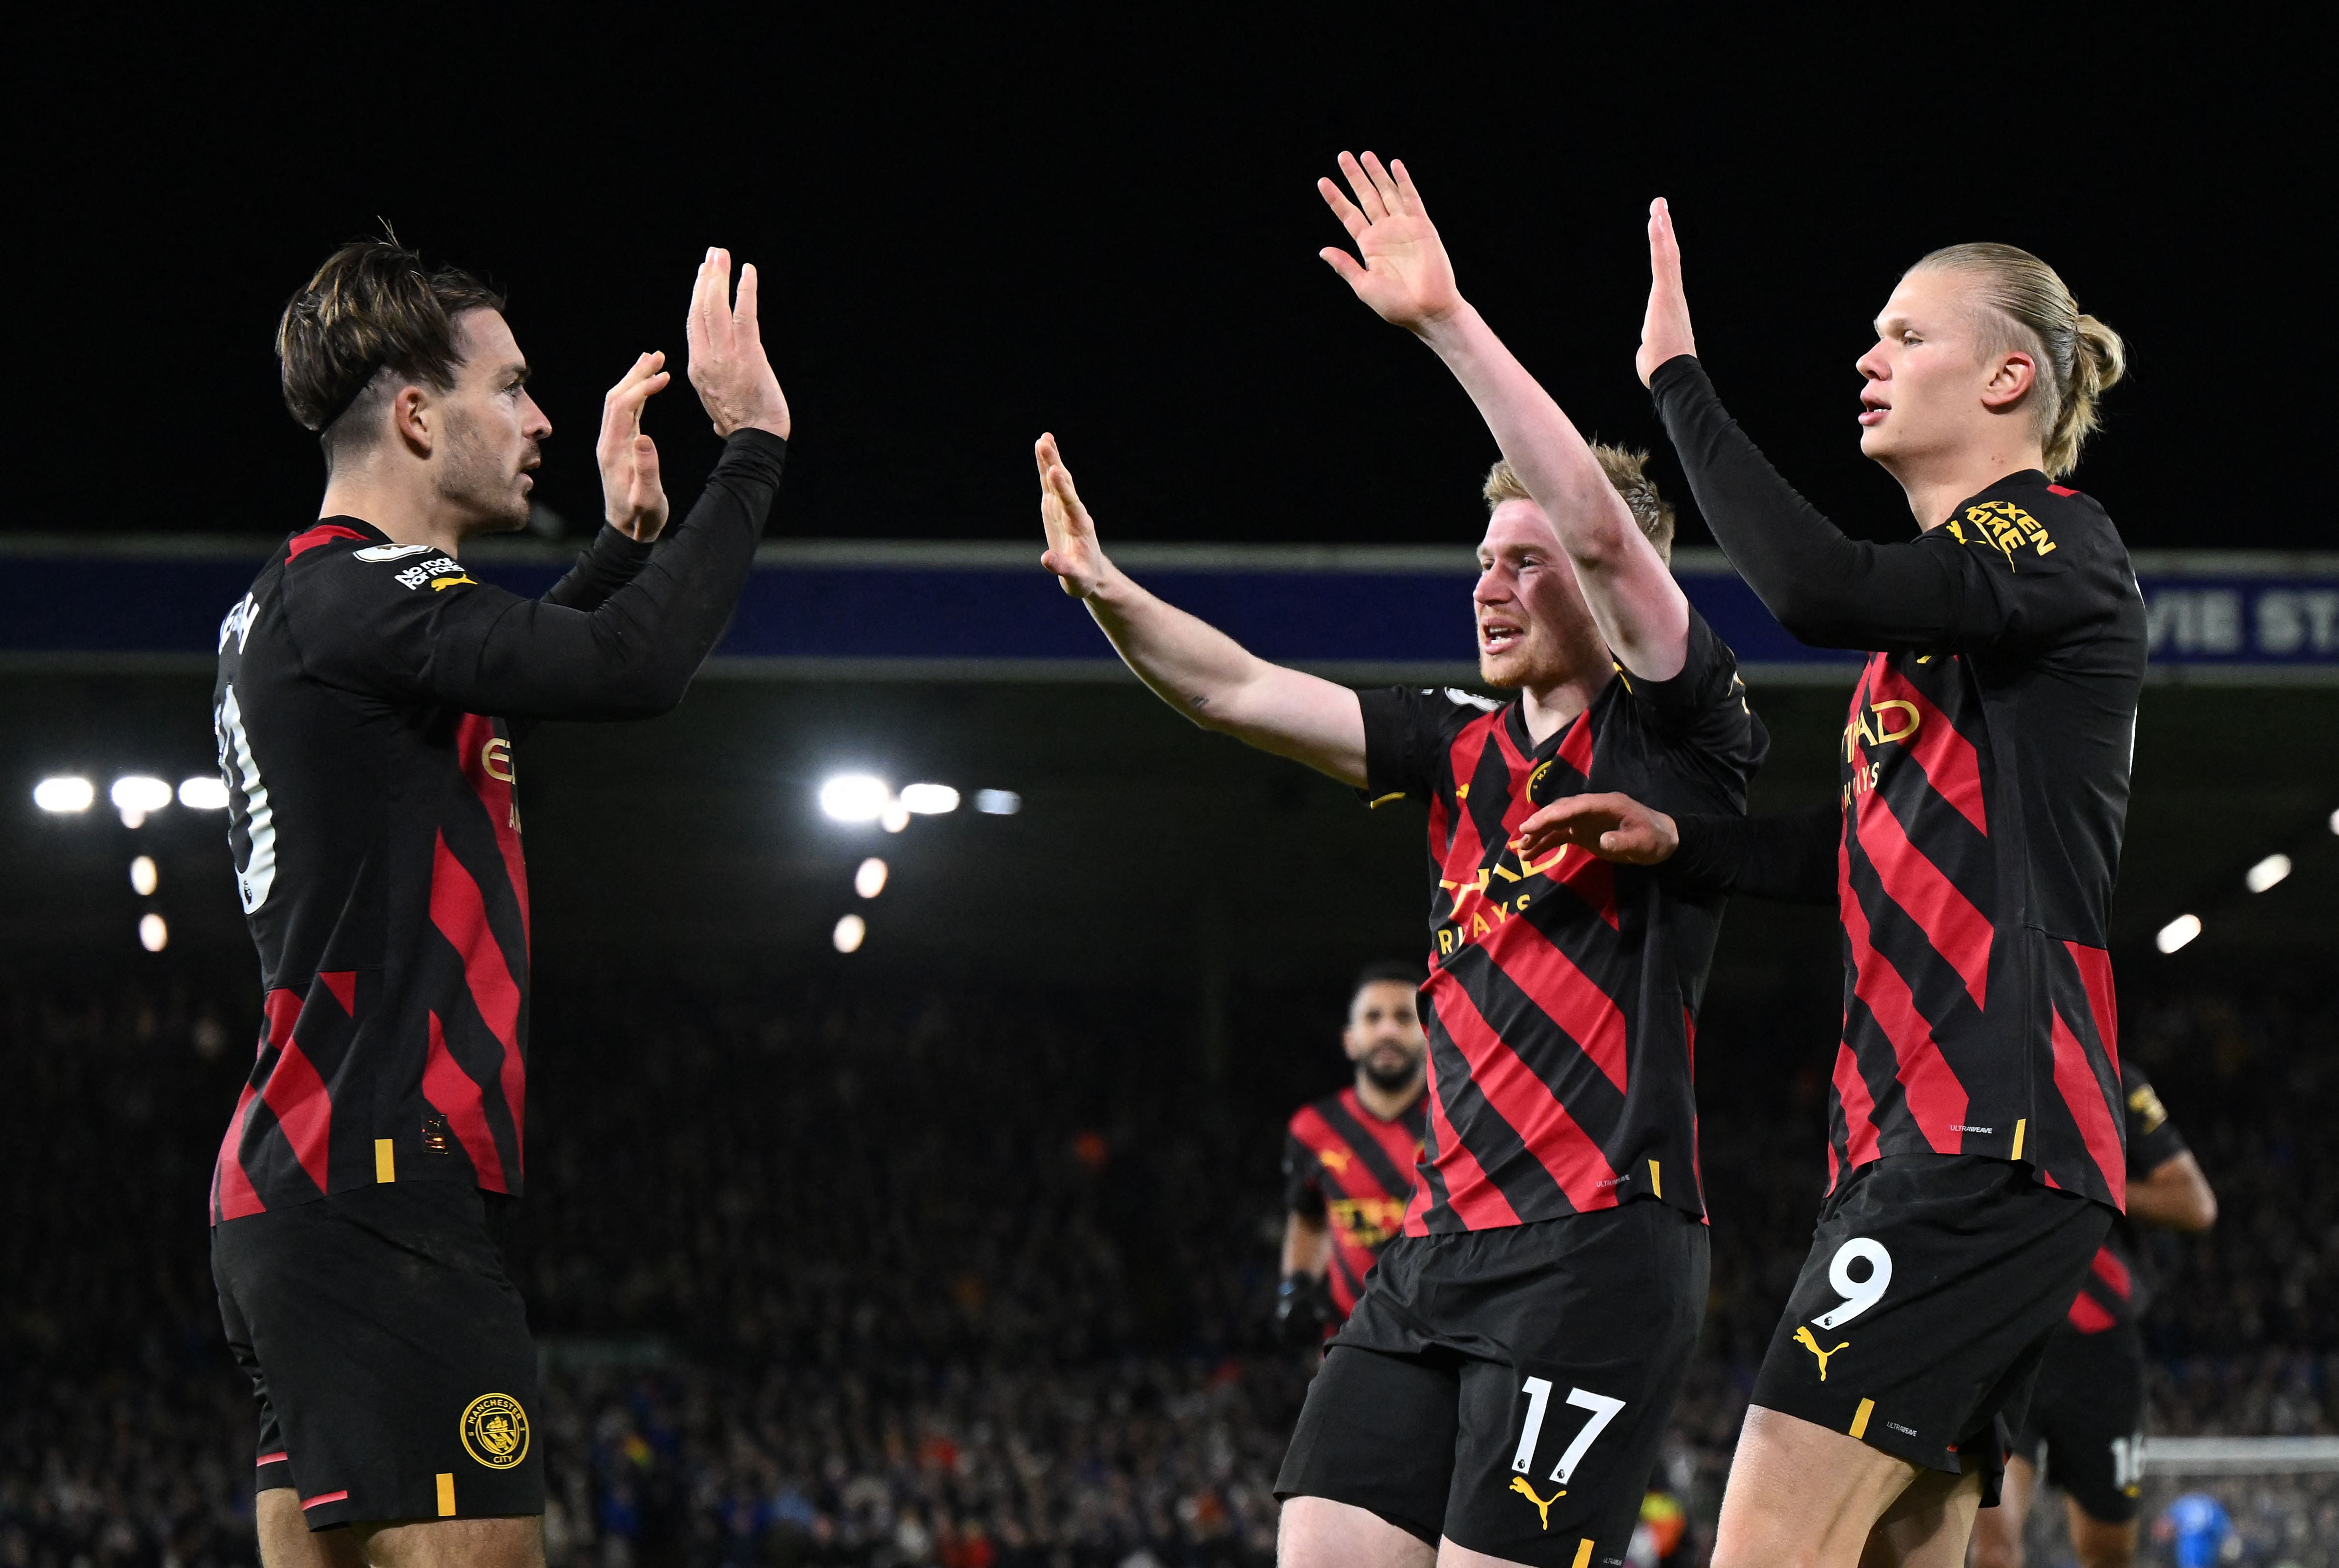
(1974, 1142)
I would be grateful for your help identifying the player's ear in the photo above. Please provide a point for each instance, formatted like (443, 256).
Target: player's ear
(414, 418)
(2014, 374)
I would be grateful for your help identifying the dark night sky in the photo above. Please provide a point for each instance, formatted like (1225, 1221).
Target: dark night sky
(971, 236)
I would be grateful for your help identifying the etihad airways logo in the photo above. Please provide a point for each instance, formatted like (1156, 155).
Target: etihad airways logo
(1482, 903)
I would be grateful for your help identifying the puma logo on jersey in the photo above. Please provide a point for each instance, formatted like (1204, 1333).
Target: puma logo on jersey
(439, 571)
(1335, 1158)
(1804, 1337)
(1543, 1505)
(438, 583)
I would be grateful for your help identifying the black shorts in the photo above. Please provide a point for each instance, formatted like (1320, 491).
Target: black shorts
(1508, 1389)
(388, 1353)
(2086, 1427)
(1918, 1321)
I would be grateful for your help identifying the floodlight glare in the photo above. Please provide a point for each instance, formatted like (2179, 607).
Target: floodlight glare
(153, 934)
(850, 932)
(856, 797)
(895, 817)
(1007, 803)
(2178, 932)
(929, 799)
(143, 877)
(870, 879)
(203, 793)
(138, 795)
(2267, 873)
(64, 793)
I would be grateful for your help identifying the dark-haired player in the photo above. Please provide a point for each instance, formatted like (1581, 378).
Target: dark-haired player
(368, 698)
(1348, 1157)
(2086, 1428)
(1500, 1392)
(1974, 1145)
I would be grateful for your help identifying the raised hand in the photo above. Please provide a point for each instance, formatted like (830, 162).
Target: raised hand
(1665, 331)
(631, 496)
(727, 363)
(1073, 553)
(1405, 275)
(1613, 826)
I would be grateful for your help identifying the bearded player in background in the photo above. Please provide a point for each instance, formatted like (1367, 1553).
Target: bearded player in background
(1348, 1157)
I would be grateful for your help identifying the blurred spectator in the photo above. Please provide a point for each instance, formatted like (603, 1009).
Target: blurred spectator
(960, 1275)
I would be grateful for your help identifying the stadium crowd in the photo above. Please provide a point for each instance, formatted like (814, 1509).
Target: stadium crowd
(967, 1275)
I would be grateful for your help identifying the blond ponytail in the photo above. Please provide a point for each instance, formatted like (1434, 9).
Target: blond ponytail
(2078, 358)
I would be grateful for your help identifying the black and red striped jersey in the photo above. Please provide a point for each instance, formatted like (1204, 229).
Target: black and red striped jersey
(364, 709)
(2115, 1292)
(1985, 783)
(1353, 1170)
(1561, 996)
(1985, 787)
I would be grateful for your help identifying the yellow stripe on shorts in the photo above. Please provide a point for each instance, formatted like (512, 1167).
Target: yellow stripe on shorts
(385, 1159)
(1583, 1552)
(1656, 1182)
(1859, 1420)
(446, 1494)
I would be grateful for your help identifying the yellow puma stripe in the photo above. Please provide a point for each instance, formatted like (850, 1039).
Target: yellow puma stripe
(385, 1159)
(1859, 1421)
(446, 1494)
(1656, 1182)
(1583, 1552)
(2017, 1137)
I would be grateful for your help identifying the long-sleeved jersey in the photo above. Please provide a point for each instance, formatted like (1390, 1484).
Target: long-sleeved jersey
(364, 708)
(1561, 996)
(1984, 769)
(1350, 1168)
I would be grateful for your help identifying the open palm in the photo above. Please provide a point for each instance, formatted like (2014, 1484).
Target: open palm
(1405, 274)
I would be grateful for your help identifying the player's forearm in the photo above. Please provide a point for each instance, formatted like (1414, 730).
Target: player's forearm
(1306, 1245)
(610, 562)
(1789, 858)
(1221, 685)
(1828, 589)
(634, 656)
(1641, 610)
(2175, 1196)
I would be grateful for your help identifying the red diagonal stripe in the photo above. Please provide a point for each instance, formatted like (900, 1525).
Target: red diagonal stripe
(2095, 966)
(461, 917)
(1309, 1127)
(1936, 1099)
(304, 1112)
(2074, 1080)
(280, 1011)
(2113, 1273)
(343, 984)
(1575, 751)
(473, 736)
(1524, 1100)
(2088, 1316)
(323, 534)
(1478, 1202)
(1950, 763)
(1957, 932)
(1459, 856)
(1859, 1112)
(236, 1194)
(1553, 983)
(454, 1095)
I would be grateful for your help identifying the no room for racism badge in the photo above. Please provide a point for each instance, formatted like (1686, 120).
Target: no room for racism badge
(495, 1431)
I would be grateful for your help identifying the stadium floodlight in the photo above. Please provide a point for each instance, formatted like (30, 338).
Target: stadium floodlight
(929, 799)
(153, 934)
(1007, 803)
(137, 797)
(850, 932)
(856, 797)
(870, 879)
(64, 794)
(2178, 932)
(205, 793)
(2335, 822)
(895, 817)
(143, 877)
(2267, 873)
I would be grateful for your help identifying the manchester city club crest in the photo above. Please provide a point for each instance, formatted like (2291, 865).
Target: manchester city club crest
(495, 1431)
